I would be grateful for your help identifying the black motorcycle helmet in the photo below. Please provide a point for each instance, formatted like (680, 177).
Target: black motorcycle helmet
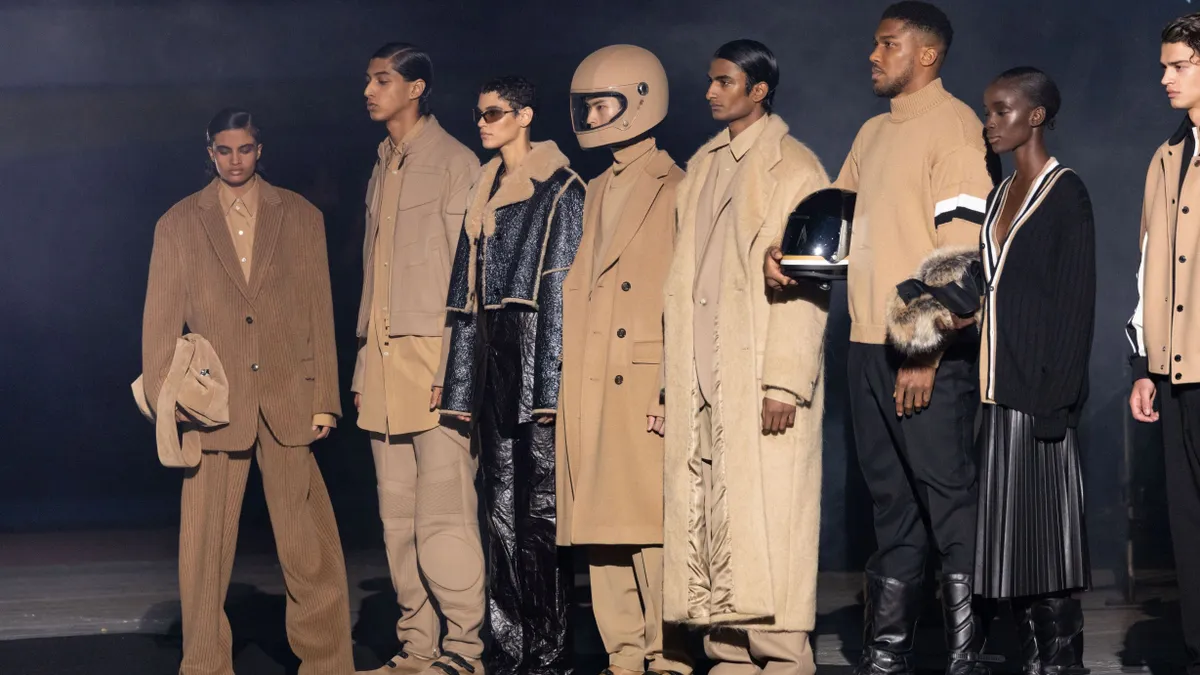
(816, 240)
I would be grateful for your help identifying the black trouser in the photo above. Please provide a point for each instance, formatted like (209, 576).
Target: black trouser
(1179, 408)
(527, 580)
(920, 469)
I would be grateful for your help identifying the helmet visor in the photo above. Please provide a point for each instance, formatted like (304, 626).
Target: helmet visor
(596, 110)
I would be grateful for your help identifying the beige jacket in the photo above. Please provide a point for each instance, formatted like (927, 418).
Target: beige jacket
(609, 469)
(760, 572)
(1165, 327)
(273, 333)
(437, 175)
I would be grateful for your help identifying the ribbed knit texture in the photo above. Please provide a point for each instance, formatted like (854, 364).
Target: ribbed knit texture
(921, 180)
(1045, 309)
(273, 333)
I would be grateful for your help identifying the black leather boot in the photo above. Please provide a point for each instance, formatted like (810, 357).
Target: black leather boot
(964, 633)
(1022, 611)
(889, 623)
(1058, 627)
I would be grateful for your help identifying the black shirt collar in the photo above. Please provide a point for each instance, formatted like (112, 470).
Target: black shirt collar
(1184, 130)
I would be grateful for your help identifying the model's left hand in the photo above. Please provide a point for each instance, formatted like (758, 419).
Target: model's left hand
(546, 420)
(321, 432)
(777, 417)
(914, 387)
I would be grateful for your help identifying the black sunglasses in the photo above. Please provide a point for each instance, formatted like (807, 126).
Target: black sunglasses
(491, 115)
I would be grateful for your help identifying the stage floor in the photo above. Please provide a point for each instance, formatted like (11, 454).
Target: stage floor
(116, 592)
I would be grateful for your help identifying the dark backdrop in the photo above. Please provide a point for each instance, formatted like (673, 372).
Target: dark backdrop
(103, 107)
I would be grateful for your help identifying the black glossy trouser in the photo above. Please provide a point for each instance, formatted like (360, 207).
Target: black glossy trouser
(1180, 414)
(920, 469)
(527, 579)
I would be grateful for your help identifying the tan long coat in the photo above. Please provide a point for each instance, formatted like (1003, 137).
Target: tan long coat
(609, 469)
(761, 572)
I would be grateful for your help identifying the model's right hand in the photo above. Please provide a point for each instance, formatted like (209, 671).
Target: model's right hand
(1141, 400)
(773, 270)
(358, 402)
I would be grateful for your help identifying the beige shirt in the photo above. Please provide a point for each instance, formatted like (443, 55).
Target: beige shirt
(398, 373)
(714, 218)
(241, 213)
(628, 164)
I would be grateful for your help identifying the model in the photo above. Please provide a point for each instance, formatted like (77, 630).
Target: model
(243, 264)
(522, 229)
(609, 447)
(423, 463)
(744, 388)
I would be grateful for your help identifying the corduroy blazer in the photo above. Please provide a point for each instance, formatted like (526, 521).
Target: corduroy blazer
(273, 333)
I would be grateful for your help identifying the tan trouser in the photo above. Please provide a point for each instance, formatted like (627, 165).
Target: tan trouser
(431, 530)
(751, 652)
(626, 586)
(310, 553)
(741, 652)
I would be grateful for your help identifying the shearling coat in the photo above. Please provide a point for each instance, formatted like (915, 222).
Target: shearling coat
(273, 333)
(609, 469)
(761, 570)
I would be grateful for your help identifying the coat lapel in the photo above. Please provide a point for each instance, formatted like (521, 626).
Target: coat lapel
(218, 235)
(634, 214)
(754, 186)
(266, 235)
(580, 276)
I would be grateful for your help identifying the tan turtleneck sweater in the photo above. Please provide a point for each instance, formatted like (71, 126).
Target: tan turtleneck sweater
(922, 184)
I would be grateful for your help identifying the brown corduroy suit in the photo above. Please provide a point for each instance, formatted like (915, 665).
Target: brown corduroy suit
(273, 332)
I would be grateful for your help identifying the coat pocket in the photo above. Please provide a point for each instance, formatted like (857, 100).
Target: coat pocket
(308, 369)
(648, 352)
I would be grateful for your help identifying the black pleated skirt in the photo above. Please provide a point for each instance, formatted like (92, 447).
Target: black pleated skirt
(1031, 537)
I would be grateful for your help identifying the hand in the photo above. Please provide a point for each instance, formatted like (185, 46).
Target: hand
(777, 417)
(181, 417)
(956, 322)
(546, 420)
(321, 432)
(914, 387)
(657, 425)
(1141, 400)
(358, 402)
(773, 270)
(435, 399)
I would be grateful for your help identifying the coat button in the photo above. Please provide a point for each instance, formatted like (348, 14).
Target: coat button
(620, 332)
(1179, 376)
(1183, 258)
(249, 319)
(1185, 209)
(1178, 358)
(625, 286)
(618, 379)
(1178, 308)
(703, 302)
(254, 367)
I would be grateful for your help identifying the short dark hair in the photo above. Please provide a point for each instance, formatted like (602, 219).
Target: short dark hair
(1185, 29)
(1038, 87)
(412, 63)
(231, 118)
(924, 17)
(757, 62)
(514, 89)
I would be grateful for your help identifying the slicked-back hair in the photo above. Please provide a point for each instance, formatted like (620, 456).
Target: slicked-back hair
(757, 62)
